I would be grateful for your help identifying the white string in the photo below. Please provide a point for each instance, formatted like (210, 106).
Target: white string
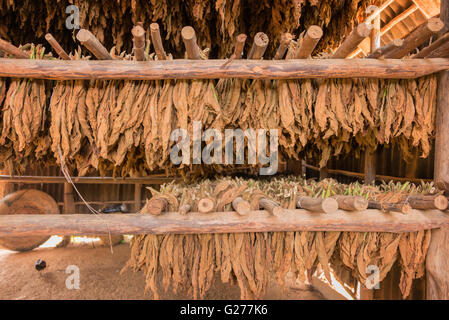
(91, 209)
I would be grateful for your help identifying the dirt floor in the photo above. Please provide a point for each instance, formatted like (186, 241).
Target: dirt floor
(100, 278)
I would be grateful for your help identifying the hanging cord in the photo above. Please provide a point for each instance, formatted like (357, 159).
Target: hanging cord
(92, 210)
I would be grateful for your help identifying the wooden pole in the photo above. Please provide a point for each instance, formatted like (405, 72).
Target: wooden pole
(351, 203)
(441, 41)
(352, 41)
(184, 209)
(206, 205)
(13, 50)
(156, 206)
(259, 46)
(189, 38)
(238, 49)
(326, 205)
(153, 179)
(375, 32)
(286, 38)
(271, 206)
(437, 272)
(69, 202)
(221, 222)
(393, 207)
(416, 38)
(157, 41)
(88, 40)
(382, 51)
(57, 47)
(427, 202)
(309, 42)
(137, 197)
(241, 206)
(212, 69)
(139, 43)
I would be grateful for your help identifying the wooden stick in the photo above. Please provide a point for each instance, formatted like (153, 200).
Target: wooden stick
(220, 222)
(206, 205)
(137, 197)
(259, 46)
(88, 40)
(184, 209)
(427, 202)
(309, 42)
(351, 203)
(326, 205)
(57, 47)
(189, 38)
(436, 44)
(382, 51)
(238, 50)
(157, 41)
(385, 206)
(13, 50)
(369, 174)
(156, 206)
(440, 52)
(152, 179)
(139, 43)
(241, 206)
(286, 38)
(69, 202)
(352, 41)
(416, 38)
(271, 206)
(212, 69)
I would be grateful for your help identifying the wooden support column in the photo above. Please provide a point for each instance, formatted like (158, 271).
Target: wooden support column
(437, 267)
(137, 197)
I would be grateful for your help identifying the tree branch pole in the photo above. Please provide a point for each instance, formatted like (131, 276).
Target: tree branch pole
(259, 46)
(309, 42)
(416, 38)
(57, 47)
(238, 49)
(87, 39)
(157, 41)
(362, 31)
(139, 42)
(286, 38)
(212, 69)
(220, 222)
(13, 50)
(189, 38)
(441, 41)
(382, 51)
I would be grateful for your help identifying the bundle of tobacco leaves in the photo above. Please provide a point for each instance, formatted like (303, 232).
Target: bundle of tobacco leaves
(188, 263)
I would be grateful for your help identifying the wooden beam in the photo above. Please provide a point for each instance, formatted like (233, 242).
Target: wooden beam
(417, 38)
(375, 32)
(309, 42)
(220, 222)
(13, 50)
(441, 51)
(153, 179)
(88, 40)
(57, 47)
(373, 15)
(212, 69)
(352, 41)
(157, 41)
(437, 268)
(379, 52)
(139, 42)
(400, 17)
(441, 162)
(260, 44)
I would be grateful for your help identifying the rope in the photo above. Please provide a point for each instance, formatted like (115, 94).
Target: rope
(91, 209)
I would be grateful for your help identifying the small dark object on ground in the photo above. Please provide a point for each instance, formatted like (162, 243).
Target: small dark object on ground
(40, 265)
(115, 208)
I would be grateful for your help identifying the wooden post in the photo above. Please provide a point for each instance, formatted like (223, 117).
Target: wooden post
(352, 41)
(157, 41)
(13, 50)
(88, 40)
(137, 197)
(69, 202)
(375, 32)
(437, 268)
(309, 42)
(189, 38)
(379, 52)
(139, 43)
(57, 47)
(260, 44)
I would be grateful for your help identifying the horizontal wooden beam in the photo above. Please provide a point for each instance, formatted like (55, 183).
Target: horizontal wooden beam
(153, 179)
(220, 222)
(212, 69)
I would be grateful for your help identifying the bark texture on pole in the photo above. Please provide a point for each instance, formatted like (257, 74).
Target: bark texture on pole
(382, 51)
(189, 38)
(13, 50)
(157, 41)
(57, 47)
(139, 42)
(309, 42)
(286, 38)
